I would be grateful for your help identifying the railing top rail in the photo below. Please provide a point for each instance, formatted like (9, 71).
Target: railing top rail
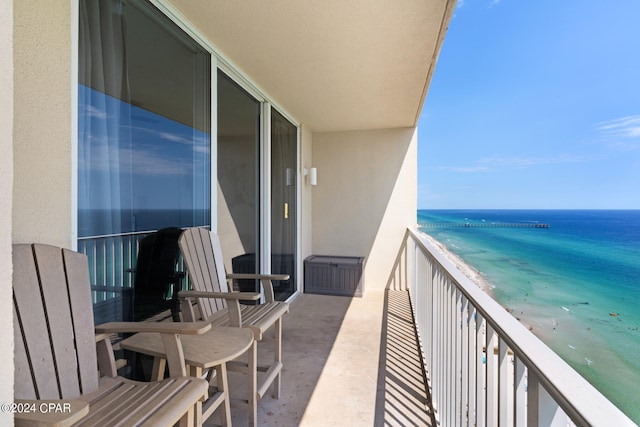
(105, 236)
(575, 395)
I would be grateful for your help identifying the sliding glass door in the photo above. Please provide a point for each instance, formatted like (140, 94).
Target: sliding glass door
(238, 177)
(284, 205)
(241, 206)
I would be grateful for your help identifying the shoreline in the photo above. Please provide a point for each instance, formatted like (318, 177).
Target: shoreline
(472, 273)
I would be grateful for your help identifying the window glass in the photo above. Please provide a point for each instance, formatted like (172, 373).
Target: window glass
(144, 138)
(284, 190)
(238, 178)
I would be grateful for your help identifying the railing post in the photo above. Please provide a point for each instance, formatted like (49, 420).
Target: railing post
(549, 412)
(492, 377)
(464, 358)
(520, 393)
(504, 380)
(473, 369)
(533, 397)
(449, 346)
(481, 370)
(457, 409)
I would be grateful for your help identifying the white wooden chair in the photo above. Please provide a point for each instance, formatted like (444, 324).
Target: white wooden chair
(202, 254)
(59, 359)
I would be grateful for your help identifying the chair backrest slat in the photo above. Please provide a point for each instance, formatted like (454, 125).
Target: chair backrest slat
(34, 328)
(202, 254)
(78, 281)
(53, 286)
(23, 383)
(57, 350)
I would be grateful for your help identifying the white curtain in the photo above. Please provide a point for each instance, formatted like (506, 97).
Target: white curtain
(104, 118)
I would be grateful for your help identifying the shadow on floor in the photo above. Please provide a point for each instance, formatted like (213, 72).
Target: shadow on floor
(347, 361)
(310, 331)
(402, 398)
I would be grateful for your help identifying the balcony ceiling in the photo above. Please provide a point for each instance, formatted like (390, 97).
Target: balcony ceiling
(333, 65)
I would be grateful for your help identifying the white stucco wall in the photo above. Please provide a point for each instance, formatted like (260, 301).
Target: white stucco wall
(365, 197)
(42, 210)
(6, 190)
(306, 193)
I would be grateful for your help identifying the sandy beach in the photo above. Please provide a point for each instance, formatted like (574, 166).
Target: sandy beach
(473, 274)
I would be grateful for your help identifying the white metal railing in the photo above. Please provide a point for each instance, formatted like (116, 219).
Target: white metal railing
(519, 381)
(112, 259)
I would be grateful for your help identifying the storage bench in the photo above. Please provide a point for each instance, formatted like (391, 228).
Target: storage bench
(334, 275)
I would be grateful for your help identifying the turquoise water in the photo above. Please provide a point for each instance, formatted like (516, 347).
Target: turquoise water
(577, 284)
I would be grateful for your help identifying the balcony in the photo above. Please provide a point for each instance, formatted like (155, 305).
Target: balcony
(413, 351)
(360, 361)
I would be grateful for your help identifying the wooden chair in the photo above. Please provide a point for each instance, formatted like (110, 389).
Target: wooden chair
(59, 359)
(202, 254)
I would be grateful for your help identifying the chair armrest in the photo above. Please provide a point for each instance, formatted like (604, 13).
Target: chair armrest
(265, 280)
(100, 337)
(222, 295)
(236, 276)
(233, 302)
(190, 328)
(39, 412)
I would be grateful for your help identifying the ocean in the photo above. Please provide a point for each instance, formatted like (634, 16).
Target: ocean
(576, 283)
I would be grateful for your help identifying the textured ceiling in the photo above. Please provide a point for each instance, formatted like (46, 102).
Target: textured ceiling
(334, 65)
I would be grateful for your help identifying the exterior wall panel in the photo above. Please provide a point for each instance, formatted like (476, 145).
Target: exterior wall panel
(306, 193)
(6, 195)
(365, 197)
(42, 208)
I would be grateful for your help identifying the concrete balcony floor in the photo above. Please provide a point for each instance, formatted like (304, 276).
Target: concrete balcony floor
(347, 362)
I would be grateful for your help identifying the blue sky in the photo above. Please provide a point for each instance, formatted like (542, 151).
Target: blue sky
(534, 104)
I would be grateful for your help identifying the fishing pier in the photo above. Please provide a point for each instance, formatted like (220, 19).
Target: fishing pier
(482, 225)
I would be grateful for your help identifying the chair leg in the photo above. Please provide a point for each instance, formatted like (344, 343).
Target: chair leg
(198, 415)
(157, 371)
(223, 386)
(188, 419)
(278, 357)
(198, 419)
(252, 375)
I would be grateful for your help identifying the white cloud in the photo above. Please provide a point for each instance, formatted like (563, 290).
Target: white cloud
(199, 148)
(621, 134)
(532, 161)
(199, 142)
(175, 138)
(92, 111)
(465, 169)
(140, 161)
(488, 164)
(624, 127)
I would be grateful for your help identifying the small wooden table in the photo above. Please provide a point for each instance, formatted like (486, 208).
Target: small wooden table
(212, 349)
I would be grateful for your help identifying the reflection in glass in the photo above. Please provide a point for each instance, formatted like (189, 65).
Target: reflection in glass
(238, 178)
(144, 138)
(156, 175)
